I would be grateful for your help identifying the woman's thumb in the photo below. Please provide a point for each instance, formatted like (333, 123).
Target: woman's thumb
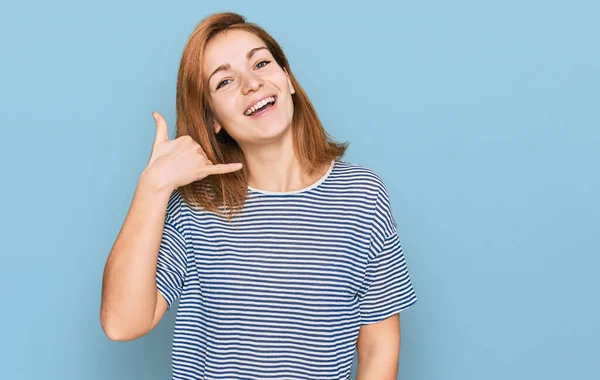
(162, 130)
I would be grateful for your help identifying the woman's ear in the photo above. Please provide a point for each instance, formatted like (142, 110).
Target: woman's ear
(216, 126)
(292, 90)
(211, 118)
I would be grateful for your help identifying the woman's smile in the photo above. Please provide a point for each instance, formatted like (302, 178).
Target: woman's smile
(265, 109)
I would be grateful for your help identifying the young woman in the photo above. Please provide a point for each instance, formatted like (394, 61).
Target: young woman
(284, 257)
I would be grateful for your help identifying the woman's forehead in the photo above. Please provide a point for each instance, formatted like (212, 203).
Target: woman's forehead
(230, 48)
(233, 44)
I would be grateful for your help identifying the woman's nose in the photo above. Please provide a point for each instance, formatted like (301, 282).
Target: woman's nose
(251, 82)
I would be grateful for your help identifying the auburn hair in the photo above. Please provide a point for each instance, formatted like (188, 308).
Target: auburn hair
(226, 193)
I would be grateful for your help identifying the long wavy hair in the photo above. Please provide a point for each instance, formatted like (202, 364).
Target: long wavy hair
(226, 193)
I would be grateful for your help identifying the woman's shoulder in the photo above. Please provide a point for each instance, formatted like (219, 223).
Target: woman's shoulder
(353, 173)
(175, 207)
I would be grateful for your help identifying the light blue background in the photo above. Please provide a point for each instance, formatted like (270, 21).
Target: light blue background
(482, 118)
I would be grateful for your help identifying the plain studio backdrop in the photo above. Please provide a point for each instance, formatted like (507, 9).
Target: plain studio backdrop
(482, 118)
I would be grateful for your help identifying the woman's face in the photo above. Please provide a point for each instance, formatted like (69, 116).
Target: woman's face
(241, 72)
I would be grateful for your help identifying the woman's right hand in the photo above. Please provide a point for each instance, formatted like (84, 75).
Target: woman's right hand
(176, 163)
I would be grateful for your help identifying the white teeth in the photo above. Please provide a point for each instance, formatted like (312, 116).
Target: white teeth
(250, 110)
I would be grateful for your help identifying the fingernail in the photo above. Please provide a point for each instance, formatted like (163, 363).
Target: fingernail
(154, 115)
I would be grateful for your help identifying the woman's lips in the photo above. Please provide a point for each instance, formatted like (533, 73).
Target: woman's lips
(264, 112)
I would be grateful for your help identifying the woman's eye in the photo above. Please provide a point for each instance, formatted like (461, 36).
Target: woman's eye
(267, 62)
(220, 84)
(224, 82)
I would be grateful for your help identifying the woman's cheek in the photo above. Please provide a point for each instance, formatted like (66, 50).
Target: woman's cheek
(226, 108)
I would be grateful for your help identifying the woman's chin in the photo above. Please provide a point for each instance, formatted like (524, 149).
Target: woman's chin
(273, 130)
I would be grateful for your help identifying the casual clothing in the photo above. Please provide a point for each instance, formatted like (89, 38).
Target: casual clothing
(280, 293)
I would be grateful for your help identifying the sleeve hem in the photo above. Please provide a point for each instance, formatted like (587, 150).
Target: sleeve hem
(166, 295)
(388, 313)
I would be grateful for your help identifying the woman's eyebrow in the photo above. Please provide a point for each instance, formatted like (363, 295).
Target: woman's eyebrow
(226, 66)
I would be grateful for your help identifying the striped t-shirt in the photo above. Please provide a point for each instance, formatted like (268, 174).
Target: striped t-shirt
(280, 293)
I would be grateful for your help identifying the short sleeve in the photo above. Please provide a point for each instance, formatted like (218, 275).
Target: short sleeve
(171, 264)
(387, 288)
